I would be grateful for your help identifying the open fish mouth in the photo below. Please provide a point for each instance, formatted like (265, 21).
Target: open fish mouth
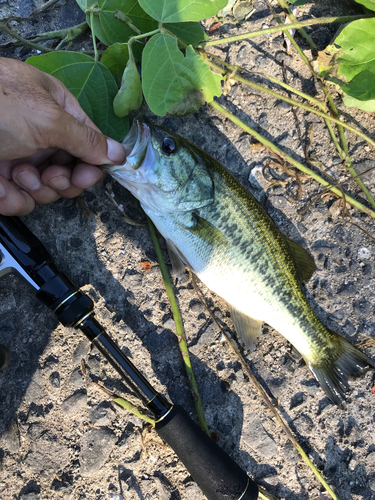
(136, 145)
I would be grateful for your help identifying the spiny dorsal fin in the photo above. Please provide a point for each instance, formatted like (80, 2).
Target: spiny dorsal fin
(247, 328)
(304, 262)
(178, 265)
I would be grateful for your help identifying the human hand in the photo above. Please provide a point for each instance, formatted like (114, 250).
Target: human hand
(48, 145)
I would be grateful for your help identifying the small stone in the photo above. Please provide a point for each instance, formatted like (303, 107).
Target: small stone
(76, 377)
(102, 416)
(35, 391)
(304, 424)
(54, 379)
(255, 436)
(96, 446)
(47, 455)
(169, 324)
(35, 431)
(11, 438)
(346, 289)
(193, 492)
(362, 307)
(286, 106)
(81, 351)
(75, 402)
(297, 400)
(364, 253)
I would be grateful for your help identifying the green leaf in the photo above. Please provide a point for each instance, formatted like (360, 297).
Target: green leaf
(370, 4)
(351, 102)
(362, 86)
(91, 83)
(115, 59)
(85, 4)
(108, 29)
(189, 33)
(169, 78)
(174, 11)
(130, 96)
(357, 48)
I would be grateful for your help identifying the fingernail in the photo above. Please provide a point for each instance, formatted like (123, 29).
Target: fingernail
(2, 190)
(115, 151)
(60, 183)
(29, 180)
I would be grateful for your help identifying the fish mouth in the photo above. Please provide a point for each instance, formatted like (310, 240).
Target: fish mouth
(136, 145)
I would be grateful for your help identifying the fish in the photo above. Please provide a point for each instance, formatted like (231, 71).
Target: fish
(216, 227)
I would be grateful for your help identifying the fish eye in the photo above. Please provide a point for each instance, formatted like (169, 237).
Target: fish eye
(169, 146)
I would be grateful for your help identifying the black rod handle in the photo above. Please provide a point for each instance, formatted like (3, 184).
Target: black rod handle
(218, 476)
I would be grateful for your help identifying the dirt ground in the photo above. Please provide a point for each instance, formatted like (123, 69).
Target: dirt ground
(60, 437)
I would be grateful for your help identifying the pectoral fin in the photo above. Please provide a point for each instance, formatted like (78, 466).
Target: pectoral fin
(176, 258)
(248, 329)
(305, 264)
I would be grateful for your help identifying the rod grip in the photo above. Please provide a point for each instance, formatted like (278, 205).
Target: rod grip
(218, 476)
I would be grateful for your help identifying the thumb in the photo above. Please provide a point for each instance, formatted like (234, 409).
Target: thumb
(85, 142)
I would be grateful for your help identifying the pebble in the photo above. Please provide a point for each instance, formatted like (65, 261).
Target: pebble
(364, 253)
(54, 379)
(192, 492)
(76, 377)
(11, 438)
(255, 436)
(346, 289)
(96, 446)
(362, 307)
(102, 416)
(297, 399)
(75, 402)
(81, 351)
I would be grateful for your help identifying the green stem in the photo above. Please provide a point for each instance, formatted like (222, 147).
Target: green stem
(344, 153)
(133, 409)
(179, 328)
(277, 29)
(291, 160)
(126, 19)
(233, 67)
(50, 35)
(295, 103)
(96, 55)
(292, 17)
(23, 41)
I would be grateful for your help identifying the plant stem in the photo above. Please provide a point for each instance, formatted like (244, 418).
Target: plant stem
(73, 32)
(96, 55)
(344, 151)
(292, 17)
(23, 41)
(291, 160)
(133, 409)
(294, 103)
(179, 329)
(276, 29)
(121, 16)
(235, 68)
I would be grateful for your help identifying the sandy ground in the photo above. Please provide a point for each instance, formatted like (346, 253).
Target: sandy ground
(61, 438)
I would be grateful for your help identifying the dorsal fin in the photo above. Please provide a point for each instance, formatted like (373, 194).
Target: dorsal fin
(247, 328)
(304, 262)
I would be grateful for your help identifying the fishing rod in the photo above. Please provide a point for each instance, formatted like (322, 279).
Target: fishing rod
(218, 476)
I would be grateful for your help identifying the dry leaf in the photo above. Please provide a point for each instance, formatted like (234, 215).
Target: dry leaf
(146, 265)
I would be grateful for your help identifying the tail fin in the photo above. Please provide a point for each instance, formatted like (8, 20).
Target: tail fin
(340, 360)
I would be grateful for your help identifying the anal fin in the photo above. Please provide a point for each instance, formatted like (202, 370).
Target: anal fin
(177, 260)
(247, 328)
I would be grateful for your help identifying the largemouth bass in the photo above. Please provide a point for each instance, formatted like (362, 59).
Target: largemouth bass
(217, 228)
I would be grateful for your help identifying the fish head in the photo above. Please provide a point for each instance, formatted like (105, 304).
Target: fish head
(163, 170)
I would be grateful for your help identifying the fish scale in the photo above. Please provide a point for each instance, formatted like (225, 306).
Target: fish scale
(217, 228)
